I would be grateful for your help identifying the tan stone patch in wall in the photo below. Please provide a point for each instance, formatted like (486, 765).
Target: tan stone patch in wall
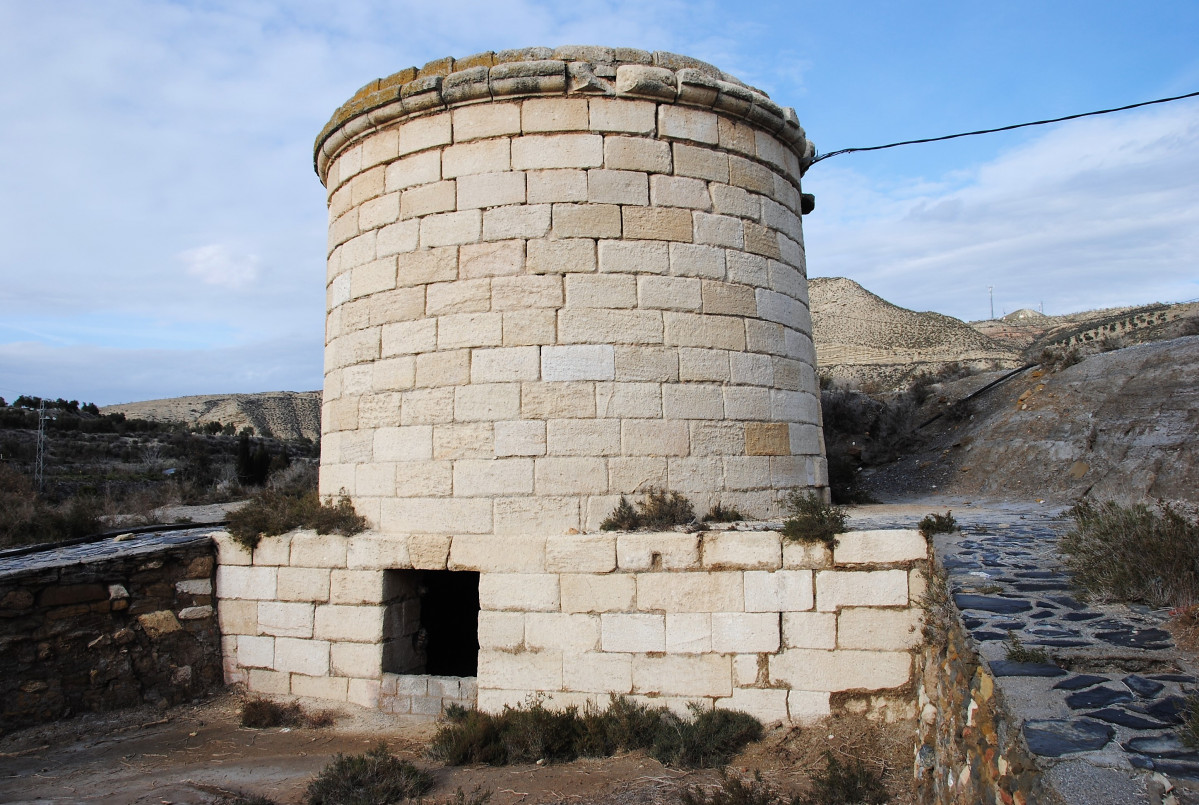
(767, 439)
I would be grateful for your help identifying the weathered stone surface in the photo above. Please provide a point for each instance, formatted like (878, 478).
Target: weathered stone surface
(1054, 738)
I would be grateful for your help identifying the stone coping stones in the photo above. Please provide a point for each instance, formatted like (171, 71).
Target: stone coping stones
(102, 550)
(578, 71)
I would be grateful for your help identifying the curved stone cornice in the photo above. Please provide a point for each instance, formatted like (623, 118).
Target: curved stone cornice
(579, 70)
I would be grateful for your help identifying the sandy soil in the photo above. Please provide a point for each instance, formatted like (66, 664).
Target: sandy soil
(194, 754)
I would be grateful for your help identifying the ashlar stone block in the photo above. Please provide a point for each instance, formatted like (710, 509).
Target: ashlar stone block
(580, 553)
(558, 151)
(536, 515)
(880, 547)
(833, 671)
(810, 630)
(600, 672)
(549, 186)
(579, 362)
(601, 291)
(860, 588)
(520, 438)
(778, 591)
(742, 550)
(356, 624)
(689, 633)
(523, 554)
(519, 592)
(766, 705)
(493, 477)
(705, 675)
(878, 629)
(571, 634)
(535, 670)
(589, 592)
(690, 592)
(633, 633)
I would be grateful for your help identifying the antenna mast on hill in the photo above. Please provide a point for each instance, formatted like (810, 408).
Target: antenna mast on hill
(991, 293)
(39, 469)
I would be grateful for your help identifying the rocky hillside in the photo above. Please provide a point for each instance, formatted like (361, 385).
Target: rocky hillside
(282, 414)
(1031, 331)
(864, 338)
(1121, 424)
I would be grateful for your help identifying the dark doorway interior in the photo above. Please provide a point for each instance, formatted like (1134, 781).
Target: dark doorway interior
(432, 622)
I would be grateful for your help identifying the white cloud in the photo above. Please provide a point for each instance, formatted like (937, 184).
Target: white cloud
(1099, 212)
(218, 264)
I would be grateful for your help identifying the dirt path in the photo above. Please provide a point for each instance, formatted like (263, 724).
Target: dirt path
(194, 754)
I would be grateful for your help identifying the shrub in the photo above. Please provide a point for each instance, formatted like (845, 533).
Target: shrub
(270, 513)
(813, 520)
(259, 713)
(735, 791)
(28, 517)
(1189, 731)
(373, 778)
(533, 732)
(709, 739)
(622, 518)
(719, 514)
(1015, 651)
(844, 783)
(659, 509)
(245, 799)
(242, 798)
(1058, 357)
(662, 509)
(938, 524)
(1134, 553)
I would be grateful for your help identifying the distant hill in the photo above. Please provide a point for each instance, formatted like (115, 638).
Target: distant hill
(283, 414)
(861, 336)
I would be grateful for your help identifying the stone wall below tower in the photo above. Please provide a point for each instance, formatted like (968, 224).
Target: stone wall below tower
(740, 619)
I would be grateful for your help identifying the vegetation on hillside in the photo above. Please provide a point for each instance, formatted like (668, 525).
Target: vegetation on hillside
(104, 470)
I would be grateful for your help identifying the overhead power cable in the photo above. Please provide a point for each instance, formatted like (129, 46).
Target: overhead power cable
(820, 157)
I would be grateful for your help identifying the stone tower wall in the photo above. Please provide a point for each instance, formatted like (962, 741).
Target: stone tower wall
(556, 277)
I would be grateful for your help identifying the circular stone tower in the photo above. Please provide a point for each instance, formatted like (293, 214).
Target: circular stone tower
(560, 276)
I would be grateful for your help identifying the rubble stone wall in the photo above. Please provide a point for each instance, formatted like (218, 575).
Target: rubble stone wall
(137, 628)
(556, 277)
(968, 747)
(741, 619)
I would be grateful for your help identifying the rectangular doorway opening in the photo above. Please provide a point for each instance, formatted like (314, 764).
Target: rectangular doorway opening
(431, 623)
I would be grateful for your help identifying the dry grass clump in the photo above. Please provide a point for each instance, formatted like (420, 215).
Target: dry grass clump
(1016, 651)
(938, 524)
(271, 513)
(659, 509)
(846, 782)
(719, 514)
(27, 517)
(243, 798)
(1134, 553)
(259, 713)
(735, 790)
(813, 520)
(376, 777)
(533, 732)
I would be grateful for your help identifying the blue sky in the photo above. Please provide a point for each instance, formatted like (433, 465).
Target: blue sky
(164, 232)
